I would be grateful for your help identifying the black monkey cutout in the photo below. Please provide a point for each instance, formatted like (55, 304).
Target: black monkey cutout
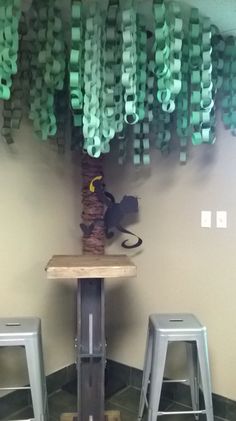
(114, 213)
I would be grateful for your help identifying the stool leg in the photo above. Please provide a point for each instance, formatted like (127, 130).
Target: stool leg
(36, 378)
(157, 374)
(146, 373)
(205, 374)
(193, 370)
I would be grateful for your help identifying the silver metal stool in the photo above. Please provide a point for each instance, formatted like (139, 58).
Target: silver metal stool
(164, 328)
(27, 332)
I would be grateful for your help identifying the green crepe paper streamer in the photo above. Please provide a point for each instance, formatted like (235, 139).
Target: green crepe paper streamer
(9, 20)
(182, 106)
(76, 63)
(168, 45)
(47, 65)
(92, 82)
(129, 63)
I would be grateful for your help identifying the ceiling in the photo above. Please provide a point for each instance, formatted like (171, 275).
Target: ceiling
(221, 12)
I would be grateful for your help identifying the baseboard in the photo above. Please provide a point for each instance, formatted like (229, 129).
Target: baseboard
(121, 375)
(19, 399)
(118, 376)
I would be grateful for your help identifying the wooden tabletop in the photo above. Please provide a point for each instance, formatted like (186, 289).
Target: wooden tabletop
(90, 266)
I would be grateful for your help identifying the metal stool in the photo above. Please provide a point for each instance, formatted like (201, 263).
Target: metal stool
(27, 332)
(164, 328)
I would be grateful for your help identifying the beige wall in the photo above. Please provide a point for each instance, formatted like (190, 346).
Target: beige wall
(181, 267)
(39, 216)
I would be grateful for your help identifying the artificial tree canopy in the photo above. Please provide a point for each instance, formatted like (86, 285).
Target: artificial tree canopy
(120, 79)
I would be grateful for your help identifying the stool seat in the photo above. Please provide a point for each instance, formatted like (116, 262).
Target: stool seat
(171, 327)
(12, 327)
(176, 323)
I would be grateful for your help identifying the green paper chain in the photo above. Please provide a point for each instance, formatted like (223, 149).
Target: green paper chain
(162, 129)
(141, 143)
(141, 69)
(122, 151)
(168, 36)
(110, 95)
(76, 60)
(160, 120)
(182, 109)
(48, 66)
(141, 128)
(201, 79)
(12, 108)
(129, 63)
(118, 88)
(9, 20)
(92, 83)
(218, 46)
(112, 83)
(228, 101)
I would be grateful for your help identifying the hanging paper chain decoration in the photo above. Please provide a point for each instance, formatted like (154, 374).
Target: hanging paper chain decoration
(109, 101)
(168, 35)
(229, 85)
(201, 81)
(141, 128)
(76, 60)
(218, 47)
(182, 111)
(12, 108)
(92, 83)
(117, 78)
(9, 20)
(47, 66)
(141, 69)
(129, 61)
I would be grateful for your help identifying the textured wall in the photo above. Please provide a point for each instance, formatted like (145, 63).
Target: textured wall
(39, 216)
(181, 267)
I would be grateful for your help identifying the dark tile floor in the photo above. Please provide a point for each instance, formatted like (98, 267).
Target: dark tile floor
(126, 401)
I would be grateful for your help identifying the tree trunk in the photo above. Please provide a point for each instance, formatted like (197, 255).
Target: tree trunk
(93, 209)
(90, 318)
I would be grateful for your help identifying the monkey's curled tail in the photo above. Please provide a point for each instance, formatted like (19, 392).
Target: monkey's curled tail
(124, 243)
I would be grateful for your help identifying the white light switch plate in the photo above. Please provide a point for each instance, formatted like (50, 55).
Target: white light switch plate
(206, 219)
(221, 219)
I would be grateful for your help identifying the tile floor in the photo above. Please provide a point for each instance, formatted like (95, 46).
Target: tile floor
(126, 401)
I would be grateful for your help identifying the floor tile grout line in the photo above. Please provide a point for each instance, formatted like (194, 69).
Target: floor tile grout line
(124, 408)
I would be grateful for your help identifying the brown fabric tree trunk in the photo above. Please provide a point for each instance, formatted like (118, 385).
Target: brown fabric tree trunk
(93, 209)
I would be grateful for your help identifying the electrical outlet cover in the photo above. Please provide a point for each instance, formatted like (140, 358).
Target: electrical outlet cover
(221, 219)
(206, 219)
